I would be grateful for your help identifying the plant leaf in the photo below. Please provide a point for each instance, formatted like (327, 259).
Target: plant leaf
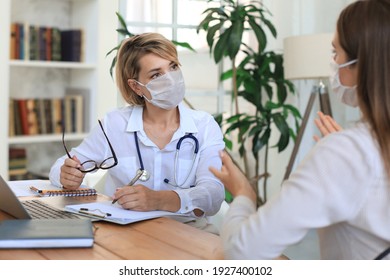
(222, 45)
(259, 32)
(235, 38)
(184, 45)
(283, 128)
(121, 20)
(211, 33)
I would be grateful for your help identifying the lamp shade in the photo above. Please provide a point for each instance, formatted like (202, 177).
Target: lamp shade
(307, 56)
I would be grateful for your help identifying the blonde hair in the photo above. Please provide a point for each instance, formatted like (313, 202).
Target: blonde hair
(130, 52)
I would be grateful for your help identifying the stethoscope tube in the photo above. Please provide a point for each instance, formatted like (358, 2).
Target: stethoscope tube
(189, 135)
(141, 163)
(196, 149)
(146, 174)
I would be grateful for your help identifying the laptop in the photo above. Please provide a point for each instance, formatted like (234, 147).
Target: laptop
(35, 208)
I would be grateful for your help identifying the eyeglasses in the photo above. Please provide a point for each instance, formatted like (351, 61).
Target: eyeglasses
(91, 165)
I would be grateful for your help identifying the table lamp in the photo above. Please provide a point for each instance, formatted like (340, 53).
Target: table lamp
(308, 57)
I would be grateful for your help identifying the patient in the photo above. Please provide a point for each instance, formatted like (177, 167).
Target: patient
(342, 187)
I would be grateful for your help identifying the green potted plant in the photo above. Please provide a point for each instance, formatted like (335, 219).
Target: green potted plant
(258, 77)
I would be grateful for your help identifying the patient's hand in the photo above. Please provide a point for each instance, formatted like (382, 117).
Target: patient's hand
(326, 124)
(233, 179)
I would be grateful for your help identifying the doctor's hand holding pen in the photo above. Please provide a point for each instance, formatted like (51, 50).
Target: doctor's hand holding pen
(142, 198)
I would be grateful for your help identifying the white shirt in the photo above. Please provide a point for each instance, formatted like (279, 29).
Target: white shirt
(120, 125)
(340, 188)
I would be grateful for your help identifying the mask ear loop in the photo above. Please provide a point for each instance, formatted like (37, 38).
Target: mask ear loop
(347, 63)
(143, 95)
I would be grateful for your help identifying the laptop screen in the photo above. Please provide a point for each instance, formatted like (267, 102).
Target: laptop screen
(9, 203)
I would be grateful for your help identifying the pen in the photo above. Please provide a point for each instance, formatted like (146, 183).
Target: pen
(34, 189)
(136, 177)
(88, 212)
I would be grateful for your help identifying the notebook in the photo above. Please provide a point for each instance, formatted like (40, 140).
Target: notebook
(46, 233)
(79, 192)
(29, 209)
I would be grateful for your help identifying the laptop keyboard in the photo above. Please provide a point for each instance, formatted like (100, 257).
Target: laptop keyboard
(40, 210)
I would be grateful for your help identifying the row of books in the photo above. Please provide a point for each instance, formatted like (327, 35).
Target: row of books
(18, 166)
(33, 42)
(17, 163)
(46, 116)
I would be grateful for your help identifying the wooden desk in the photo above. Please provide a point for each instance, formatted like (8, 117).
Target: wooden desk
(161, 238)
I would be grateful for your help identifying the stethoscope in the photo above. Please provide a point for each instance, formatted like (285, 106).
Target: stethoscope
(146, 174)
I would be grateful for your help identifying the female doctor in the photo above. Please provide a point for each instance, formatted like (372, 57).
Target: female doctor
(156, 137)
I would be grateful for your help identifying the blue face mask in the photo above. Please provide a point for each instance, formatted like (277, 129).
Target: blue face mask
(345, 94)
(167, 91)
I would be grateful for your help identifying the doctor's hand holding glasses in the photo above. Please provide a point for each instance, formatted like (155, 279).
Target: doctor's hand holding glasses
(73, 171)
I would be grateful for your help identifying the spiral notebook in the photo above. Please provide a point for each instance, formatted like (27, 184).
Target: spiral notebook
(79, 192)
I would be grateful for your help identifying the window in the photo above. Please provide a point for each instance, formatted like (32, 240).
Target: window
(172, 19)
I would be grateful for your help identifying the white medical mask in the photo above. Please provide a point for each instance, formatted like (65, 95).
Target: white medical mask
(167, 91)
(345, 94)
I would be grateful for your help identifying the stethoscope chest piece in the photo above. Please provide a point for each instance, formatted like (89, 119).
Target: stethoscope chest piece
(145, 175)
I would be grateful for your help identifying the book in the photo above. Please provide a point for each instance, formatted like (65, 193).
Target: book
(16, 117)
(21, 41)
(11, 117)
(13, 39)
(26, 42)
(32, 117)
(17, 41)
(48, 42)
(23, 112)
(64, 192)
(55, 44)
(68, 112)
(48, 115)
(71, 45)
(33, 42)
(74, 113)
(83, 111)
(57, 114)
(46, 233)
(41, 116)
(42, 37)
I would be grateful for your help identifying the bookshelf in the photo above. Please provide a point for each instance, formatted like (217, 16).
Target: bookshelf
(25, 78)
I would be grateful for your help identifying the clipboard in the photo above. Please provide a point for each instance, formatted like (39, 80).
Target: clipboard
(113, 213)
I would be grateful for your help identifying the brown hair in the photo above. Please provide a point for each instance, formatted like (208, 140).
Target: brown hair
(364, 33)
(131, 51)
